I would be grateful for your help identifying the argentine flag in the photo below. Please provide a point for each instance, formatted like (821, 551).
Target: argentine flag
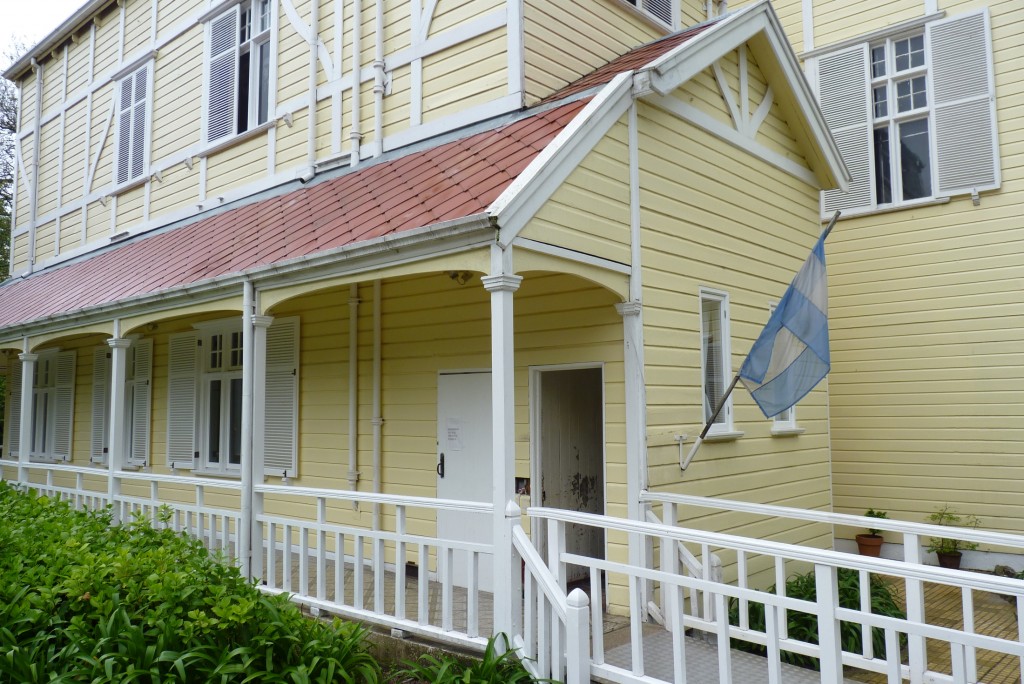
(791, 355)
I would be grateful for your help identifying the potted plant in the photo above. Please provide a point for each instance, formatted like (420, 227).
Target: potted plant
(870, 544)
(949, 551)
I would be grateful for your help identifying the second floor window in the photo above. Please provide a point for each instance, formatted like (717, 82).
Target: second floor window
(912, 113)
(714, 358)
(238, 70)
(132, 146)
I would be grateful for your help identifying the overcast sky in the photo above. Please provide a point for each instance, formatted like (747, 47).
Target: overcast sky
(29, 21)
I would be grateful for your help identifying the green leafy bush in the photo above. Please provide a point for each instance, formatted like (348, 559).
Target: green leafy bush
(804, 626)
(81, 601)
(491, 669)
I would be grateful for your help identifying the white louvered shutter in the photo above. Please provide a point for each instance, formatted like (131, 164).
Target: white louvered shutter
(14, 421)
(124, 132)
(662, 9)
(280, 429)
(845, 100)
(966, 146)
(222, 75)
(181, 400)
(139, 121)
(100, 438)
(64, 405)
(138, 450)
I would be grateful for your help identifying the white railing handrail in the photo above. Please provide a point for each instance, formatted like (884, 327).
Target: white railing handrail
(902, 526)
(535, 566)
(371, 498)
(59, 467)
(883, 566)
(186, 480)
(687, 558)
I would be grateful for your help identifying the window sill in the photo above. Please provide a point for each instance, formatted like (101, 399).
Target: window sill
(888, 209)
(788, 431)
(129, 185)
(216, 473)
(221, 145)
(724, 436)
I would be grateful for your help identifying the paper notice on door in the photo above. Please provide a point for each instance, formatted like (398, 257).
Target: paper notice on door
(454, 430)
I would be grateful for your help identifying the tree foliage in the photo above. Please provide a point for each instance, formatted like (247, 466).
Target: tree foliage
(8, 128)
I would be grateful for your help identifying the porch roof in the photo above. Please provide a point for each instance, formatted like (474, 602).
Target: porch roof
(427, 187)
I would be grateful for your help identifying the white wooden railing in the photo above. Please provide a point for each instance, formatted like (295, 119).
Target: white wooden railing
(79, 495)
(963, 644)
(550, 617)
(360, 573)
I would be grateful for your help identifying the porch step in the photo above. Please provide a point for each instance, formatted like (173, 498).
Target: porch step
(702, 662)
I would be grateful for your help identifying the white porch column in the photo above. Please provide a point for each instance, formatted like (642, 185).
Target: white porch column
(636, 430)
(243, 541)
(502, 287)
(115, 454)
(28, 375)
(259, 413)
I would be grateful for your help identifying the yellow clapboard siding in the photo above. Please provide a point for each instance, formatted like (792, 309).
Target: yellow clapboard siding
(564, 41)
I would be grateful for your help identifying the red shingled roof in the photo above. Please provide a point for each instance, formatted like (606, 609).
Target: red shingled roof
(634, 59)
(443, 183)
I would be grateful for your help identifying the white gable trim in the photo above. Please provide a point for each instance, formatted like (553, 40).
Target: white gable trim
(679, 65)
(543, 176)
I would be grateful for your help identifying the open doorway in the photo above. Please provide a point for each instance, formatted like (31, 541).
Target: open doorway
(568, 436)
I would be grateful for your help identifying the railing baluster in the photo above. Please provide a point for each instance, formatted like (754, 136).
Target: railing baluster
(423, 587)
(675, 606)
(741, 580)
(1020, 632)
(914, 590)
(636, 627)
(529, 617)
(972, 653)
(286, 558)
(893, 664)
(400, 562)
(830, 643)
(472, 595)
(303, 560)
(447, 582)
(544, 648)
(378, 576)
(722, 631)
(357, 572)
(321, 551)
(867, 643)
(958, 663)
(597, 615)
(780, 590)
(272, 555)
(339, 568)
(705, 566)
(771, 623)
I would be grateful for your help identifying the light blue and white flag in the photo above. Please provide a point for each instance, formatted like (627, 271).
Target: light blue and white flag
(791, 356)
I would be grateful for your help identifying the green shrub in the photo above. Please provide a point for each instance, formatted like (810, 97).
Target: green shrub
(804, 626)
(491, 669)
(81, 601)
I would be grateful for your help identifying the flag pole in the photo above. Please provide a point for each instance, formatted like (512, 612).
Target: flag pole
(714, 417)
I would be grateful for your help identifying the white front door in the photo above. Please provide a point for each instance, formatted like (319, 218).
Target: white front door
(464, 466)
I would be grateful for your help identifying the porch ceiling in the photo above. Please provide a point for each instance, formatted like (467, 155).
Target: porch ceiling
(431, 186)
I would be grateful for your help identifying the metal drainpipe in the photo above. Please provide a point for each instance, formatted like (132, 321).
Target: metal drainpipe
(378, 420)
(357, 80)
(353, 388)
(314, 38)
(244, 550)
(378, 82)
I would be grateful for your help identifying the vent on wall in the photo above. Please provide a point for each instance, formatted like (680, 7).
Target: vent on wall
(656, 9)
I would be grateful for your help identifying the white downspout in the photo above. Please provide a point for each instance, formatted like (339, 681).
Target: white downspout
(378, 420)
(244, 550)
(357, 80)
(353, 387)
(710, 8)
(378, 82)
(314, 38)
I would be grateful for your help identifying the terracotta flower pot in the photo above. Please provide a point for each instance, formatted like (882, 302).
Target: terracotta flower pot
(870, 544)
(950, 560)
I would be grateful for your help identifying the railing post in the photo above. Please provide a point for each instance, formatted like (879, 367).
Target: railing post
(514, 517)
(826, 580)
(577, 639)
(255, 551)
(916, 647)
(669, 564)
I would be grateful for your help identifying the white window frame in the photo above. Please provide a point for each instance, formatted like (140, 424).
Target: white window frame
(723, 428)
(227, 371)
(254, 40)
(650, 11)
(942, 189)
(146, 105)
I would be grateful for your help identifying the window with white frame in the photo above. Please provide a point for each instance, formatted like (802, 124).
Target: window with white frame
(52, 406)
(239, 56)
(138, 403)
(714, 358)
(134, 96)
(913, 114)
(205, 398)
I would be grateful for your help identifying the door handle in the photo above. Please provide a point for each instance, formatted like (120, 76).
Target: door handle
(440, 466)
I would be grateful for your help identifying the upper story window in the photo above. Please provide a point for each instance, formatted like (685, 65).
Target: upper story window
(239, 57)
(134, 96)
(714, 358)
(913, 114)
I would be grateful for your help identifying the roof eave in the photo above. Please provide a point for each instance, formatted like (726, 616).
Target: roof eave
(55, 38)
